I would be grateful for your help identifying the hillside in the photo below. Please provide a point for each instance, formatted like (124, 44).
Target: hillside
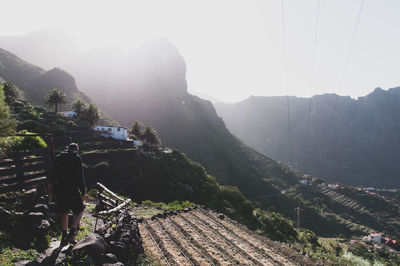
(151, 87)
(35, 82)
(351, 211)
(354, 142)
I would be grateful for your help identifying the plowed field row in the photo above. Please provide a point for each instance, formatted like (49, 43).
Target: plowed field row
(198, 237)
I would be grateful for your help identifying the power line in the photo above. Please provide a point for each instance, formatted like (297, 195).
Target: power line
(315, 45)
(312, 72)
(286, 82)
(347, 61)
(352, 43)
(344, 71)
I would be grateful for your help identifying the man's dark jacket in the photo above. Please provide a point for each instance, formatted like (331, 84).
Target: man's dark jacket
(67, 175)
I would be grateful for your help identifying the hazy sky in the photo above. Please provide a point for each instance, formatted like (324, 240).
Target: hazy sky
(234, 48)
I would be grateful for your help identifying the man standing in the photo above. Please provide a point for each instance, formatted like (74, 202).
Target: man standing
(70, 190)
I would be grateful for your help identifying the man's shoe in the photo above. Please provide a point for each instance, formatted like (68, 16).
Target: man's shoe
(64, 239)
(71, 236)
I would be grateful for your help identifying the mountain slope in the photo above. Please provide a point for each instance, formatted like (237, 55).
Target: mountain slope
(355, 142)
(35, 82)
(151, 87)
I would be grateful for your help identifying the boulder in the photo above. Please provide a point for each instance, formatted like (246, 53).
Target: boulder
(41, 208)
(120, 250)
(93, 245)
(41, 226)
(35, 216)
(108, 258)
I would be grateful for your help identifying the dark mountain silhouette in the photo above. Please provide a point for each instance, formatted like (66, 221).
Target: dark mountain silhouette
(354, 142)
(35, 82)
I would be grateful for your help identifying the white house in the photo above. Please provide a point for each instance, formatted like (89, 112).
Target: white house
(376, 237)
(120, 133)
(68, 113)
(303, 181)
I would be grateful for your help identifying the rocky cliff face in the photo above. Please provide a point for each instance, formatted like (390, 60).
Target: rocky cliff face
(152, 87)
(355, 142)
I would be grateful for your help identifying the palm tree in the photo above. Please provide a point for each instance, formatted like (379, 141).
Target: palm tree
(7, 125)
(10, 92)
(137, 129)
(150, 136)
(78, 106)
(56, 97)
(92, 114)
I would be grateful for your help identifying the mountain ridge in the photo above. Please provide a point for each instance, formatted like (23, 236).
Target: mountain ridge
(340, 142)
(35, 82)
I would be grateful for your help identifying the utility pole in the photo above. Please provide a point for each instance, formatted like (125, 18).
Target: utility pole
(298, 217)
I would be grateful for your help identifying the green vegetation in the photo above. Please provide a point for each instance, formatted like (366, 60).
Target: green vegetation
(56, 97)
(10, 92)
(6, 123)
(91, 114)
(8, 256)
(174, 205)
(160, 177)
(85, 228)
(146, 134)
(25, 143)
(136, 130)
(345, 211)
(150, 136)
(78, 107)
(277, 227)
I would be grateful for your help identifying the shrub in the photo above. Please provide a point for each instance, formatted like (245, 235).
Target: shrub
(16, 143)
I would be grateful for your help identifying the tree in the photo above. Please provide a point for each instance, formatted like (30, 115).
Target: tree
(137, 129)
(7, 125)
(91, 114)
(56, 97)
(78, 107)
(10, 92)
(150, 136)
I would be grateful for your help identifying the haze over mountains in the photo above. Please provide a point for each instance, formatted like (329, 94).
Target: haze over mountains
(355, 142)
(152, 88)
(340, 139)
(148, 83)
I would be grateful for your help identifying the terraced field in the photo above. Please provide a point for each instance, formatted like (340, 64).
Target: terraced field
(200, 237)
(343, 200)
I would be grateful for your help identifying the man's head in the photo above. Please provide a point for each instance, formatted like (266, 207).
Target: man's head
(73, 147)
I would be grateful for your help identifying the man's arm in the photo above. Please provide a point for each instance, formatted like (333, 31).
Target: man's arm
(81, 178)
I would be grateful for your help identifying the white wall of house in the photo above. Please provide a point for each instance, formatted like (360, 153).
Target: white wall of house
(68, 113)
(120, 133)
(377, 238)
